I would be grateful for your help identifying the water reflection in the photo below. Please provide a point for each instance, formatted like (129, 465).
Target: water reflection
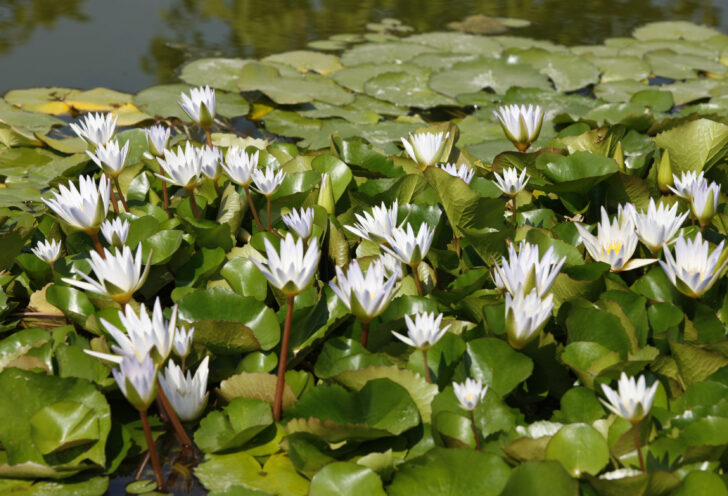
(19, 19)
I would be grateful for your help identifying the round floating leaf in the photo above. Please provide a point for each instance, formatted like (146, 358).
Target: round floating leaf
(219, 73)
(355, 77)
(569, 72)
(580, 448)
(64, 424)
(346, 478)
(575, 173)
(405, 88)
(695, 145)
(440, 471)
(162, 101)
(666, 30)
(239, 422)
(255, 385)
(383, 53)
(621, 68)
(245, 278)
(479, 74)
(540, 479)
(278, 475)
(457, 43)
(700, 483)
(305, 60)
(496, 364)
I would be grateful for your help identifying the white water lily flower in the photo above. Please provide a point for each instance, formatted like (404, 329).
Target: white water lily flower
(239, 165)
(182, 342)
(186, 394)
(211, 158)
(109, 157)
(511, 183)
(96, 129)
(425, 148)
(366, 296)
(183, 166)
(268, 182)
(119, 274)
(376, 226)
(290, 271)
(526, 270)
(144, 336)
(469, 393)
(694, 269)
(614, 243)
(424, 331)
(300, 221)
(526, 316)
(634, 399)
(658, 225)
(84, 208)
(621, 473)
(115, 231)
(407, 247)
(683, 185)
(199, 105)
(704, 201)
(521, 124)
(47, 250)
(626, 212)
(137, 380)
(392, 265)
(464, 173)
(157, 139)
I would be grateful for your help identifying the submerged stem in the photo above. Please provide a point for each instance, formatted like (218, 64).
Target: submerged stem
(152, 450)
(364, 333)
(475, 429)
(121, 195)
(278, 401)
(267, 208)
(252, 208)
(194, 204)
(182, 436)
(637, 445)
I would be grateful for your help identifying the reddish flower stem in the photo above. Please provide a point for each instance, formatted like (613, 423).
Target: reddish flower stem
(278, 401)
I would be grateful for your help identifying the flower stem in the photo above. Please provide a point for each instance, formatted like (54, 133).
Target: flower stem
(165, 194)
(208, 136)
(364, 333)
(97, 244)
(152, 450)
(278, 402)
(475, 429)
(194, 204)
(417, 279)
(637, 445)
(515, 212)
(427, 366)
(112, 196)
(217, 188)
(252, 209)
(179, 430)
(121, 195)
(267, 208)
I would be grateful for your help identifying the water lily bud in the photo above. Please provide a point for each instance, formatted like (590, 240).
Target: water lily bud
(326, 194)
(664, 173)
(704, 202)
(619, 156)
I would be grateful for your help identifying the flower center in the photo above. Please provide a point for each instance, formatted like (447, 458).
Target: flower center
(614, 246)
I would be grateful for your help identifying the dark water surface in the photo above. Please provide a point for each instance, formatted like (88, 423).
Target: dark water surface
(131, 44)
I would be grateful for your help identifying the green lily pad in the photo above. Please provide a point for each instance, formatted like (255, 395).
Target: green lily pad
(479, 74)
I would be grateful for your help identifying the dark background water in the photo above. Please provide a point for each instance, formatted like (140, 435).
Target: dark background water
(131, 44)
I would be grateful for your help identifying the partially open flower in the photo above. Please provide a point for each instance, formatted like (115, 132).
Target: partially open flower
(658, 226)
(290, 271)
(199, 105)
(157, 139)
(521, 124)
(239, 165)
(268, 182)
(424, 331)
(47, 250)
(426, 148)
(366, 296)
(96, 129)
(378, 225)
(511, 183)
(407, 247)
(300, 221)
(464, 172)
(693, 270)
(186, 394)
(109, 157)
(526, 270)
(469, 393)
(182, 342)
(119, 274)
(526, 316)
(183, 166)
(115, 231)
(211, 158)
(683, 185)
(634, 399)
(137, 379)
(704, 201)
(84, 208)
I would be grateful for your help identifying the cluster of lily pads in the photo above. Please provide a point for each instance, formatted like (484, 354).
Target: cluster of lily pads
(409, 297)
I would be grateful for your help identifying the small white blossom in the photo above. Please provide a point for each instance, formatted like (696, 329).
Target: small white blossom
(182, 342)
(694, 269)
(408, 247)
(137, 380)
(521, 124)
(211, 158)
(157, 139)
(300, 221)
(424, 331)
(183, 166)
(199, 105)
(47, 250)
(115, 231)
(96, 129)
(658, 226)
(634, 399)
(366, 296)
(683, 185)
(84, 208)
(186, 394)
(526, 270)
(376, 226)
(469, 393)
(290, 271)
(239, 165)
(268, 182)
(109, 157)
(464, 173)
(425, 148)
(526, 316)
(511, 183)
(704, 201)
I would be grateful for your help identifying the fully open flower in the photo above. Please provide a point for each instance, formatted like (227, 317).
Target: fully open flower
(634, 399)
(614, 243)
(376, 226)
(47, 250)
(658, 226)
(521, 124)
(300, 221)
(119, 274)
(96, 129)
(526, 316)
(137, 379)
(115, 231)
(469, 393)
(704, 201)
(84, 208)
(464, 172)
(424, 331)
(239, 165)
(199, 105)
(366, 296)
(186, 394)
(694, 269)
(425, 148)
(407, 247)
(290, 271)
(109, 157)
(157, 139)
(526, 270)
(511, 183)
(183, 166)
(268, 182)
(144, 336)
(683, 185)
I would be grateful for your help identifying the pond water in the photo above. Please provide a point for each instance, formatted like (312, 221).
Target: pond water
(131, 44)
